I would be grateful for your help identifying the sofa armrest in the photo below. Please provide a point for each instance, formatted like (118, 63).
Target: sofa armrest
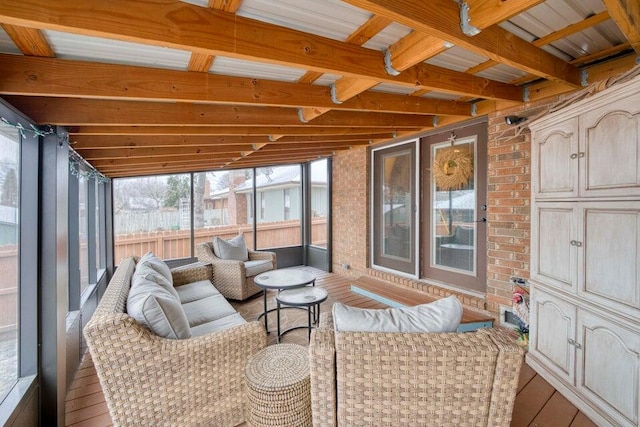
(322, 367)
(506, 378)
(158, 381)
(191, 273)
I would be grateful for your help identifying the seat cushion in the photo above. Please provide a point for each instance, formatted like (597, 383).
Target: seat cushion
(157, 309)
(207, 310)
(218, 325)
(253, 268)
(233, 249)
(195, 291)
(443, 315)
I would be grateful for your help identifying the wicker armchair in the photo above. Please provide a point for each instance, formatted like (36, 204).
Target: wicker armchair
(438, 379)
(149, 380)
(229, 276)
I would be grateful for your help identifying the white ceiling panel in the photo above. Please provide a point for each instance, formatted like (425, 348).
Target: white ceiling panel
(591, 40)
(72, 46)
(502, 73)
(387, 37)
(6, 44)
(257, 70)
(391, 88)
(327, 80)
(328, 18)
(457, 59)
(203, 3)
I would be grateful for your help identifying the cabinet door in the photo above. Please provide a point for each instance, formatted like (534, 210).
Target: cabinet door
(552, 326)
(555, 160)
(609, 366)
(609, 255)
(553, 257)
(611, 147)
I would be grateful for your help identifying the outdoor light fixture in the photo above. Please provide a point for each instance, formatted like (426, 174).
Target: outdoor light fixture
(514, 120)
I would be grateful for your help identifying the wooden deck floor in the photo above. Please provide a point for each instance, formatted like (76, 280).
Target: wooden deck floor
(537, 402)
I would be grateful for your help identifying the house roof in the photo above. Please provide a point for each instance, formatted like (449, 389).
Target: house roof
(168, 86)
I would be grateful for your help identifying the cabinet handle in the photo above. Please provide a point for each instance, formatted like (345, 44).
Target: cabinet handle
(576, 243)
(574, 343)
(574, 156)
(581, 154)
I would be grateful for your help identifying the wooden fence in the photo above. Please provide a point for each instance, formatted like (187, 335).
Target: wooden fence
(174, 244)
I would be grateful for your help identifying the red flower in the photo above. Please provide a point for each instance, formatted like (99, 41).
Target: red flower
(518, 298)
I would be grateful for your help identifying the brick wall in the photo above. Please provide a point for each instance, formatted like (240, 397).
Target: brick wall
(508, 201)
(350, 214)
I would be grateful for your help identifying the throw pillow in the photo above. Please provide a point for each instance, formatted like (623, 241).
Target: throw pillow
(443, 315)
(149, 259)
(234, 249)
(156, 309)
(146, 272)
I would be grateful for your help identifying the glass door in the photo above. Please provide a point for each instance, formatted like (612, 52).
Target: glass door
(394, 208)
(454, 193)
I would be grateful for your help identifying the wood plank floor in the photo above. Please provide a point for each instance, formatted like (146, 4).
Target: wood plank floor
(537, 403)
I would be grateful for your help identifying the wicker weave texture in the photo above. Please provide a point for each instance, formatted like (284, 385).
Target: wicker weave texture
(148, 380)
(229, 276)
(399, 379)
(278, 391)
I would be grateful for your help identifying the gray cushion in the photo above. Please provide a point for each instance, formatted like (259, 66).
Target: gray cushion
(258, 266)
(207, 310)
(195, 291)
(218, 325)
(443, 315)
(149, 259)
(234, 249)
(146, 272)
(155, 308)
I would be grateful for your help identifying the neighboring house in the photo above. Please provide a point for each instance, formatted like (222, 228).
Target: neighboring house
(278, 196)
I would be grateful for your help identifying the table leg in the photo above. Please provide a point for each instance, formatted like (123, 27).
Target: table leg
(309, 320)
(278, 314)
(266, 323)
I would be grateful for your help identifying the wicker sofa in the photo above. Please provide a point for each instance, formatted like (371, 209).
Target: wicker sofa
(149, 380)
(233, 278)
(410, 379)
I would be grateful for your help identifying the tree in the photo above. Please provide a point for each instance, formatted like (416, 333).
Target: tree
(177, 188)
(9, 195)
(198, 199)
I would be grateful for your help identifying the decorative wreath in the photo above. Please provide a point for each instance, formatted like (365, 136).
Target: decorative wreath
(452, 169)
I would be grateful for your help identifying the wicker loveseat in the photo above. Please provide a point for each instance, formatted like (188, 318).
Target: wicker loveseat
(149, 380)
(234, 279)
(412, 379)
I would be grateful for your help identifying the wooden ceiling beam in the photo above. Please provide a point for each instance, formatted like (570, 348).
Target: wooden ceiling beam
(415, 48)
(626, 14)
(442, 20)
(221, 130)
(150, 152)
(82, 79)
(30, 41)
(104, 165)
(97, 142)
(484, 13)
(368, 30)
(184, 26)
(79, 112)
(572, 29)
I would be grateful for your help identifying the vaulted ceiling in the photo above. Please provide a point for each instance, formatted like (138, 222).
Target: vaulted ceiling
(161, 86)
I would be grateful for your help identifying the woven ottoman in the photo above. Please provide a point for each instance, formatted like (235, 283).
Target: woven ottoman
(278, 389)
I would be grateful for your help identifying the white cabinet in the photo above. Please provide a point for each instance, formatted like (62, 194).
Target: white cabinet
(585, 253)
(587, 356)
(589, 152)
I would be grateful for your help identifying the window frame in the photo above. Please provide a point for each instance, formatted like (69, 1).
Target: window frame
(19, 396)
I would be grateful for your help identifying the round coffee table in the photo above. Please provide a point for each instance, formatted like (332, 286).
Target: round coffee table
(308, 297)
(281, 279)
